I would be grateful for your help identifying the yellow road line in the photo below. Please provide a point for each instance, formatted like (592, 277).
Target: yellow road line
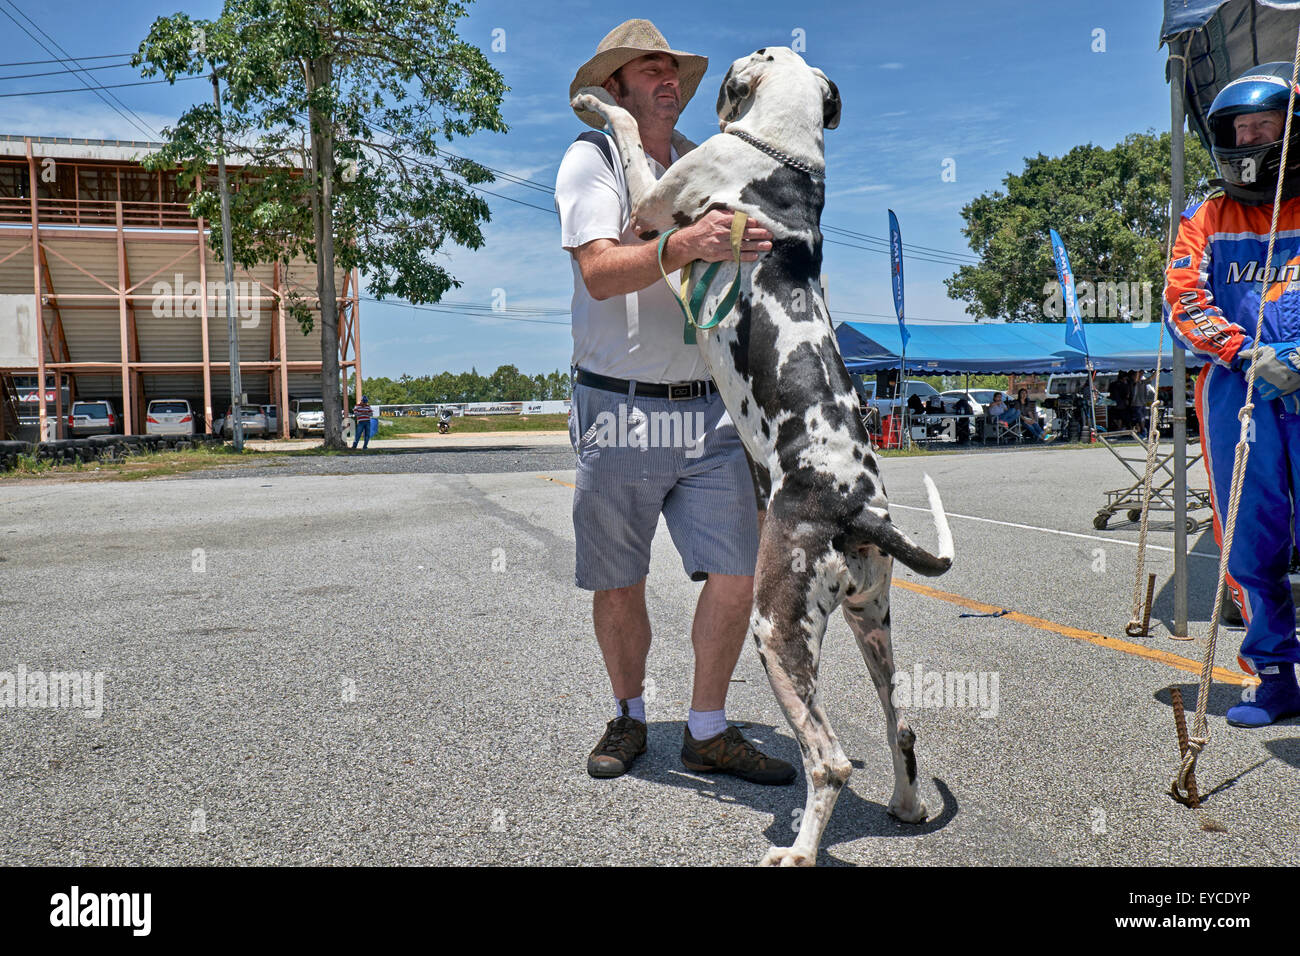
(1221, 674)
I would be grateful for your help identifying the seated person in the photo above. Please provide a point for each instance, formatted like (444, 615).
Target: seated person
(999, 412)
(1027, 412)
(914, 404)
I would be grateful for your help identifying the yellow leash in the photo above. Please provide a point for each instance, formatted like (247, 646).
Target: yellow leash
(690, 295)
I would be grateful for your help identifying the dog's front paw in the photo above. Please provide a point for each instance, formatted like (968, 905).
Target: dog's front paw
(909, 811)
(594, 99)
(786, 856)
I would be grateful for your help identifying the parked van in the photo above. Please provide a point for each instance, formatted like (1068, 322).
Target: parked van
(96, 417)
(169, 416)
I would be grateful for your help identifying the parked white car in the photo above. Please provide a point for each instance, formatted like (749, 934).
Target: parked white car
(924, 390)
(306, 415)
(169, 416)
(979, 398)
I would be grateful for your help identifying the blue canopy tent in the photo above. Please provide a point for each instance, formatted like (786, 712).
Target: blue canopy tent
(984, 349)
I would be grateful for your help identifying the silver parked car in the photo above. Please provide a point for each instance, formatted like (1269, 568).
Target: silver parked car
(169, 416)
(253, 419)
(93, 418)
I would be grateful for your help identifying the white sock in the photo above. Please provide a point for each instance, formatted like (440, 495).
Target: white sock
(704, 724)
(635, 708)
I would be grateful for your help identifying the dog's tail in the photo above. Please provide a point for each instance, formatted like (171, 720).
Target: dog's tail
(886, 536)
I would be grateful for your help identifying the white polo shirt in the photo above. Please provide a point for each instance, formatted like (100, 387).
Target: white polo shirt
(634, 336)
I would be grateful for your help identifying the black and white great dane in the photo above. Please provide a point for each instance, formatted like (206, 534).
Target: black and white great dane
(827, 538)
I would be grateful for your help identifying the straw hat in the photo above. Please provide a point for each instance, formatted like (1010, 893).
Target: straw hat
(622, 45)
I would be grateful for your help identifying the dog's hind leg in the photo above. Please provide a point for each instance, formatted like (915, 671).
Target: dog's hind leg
(788, 623)
(868, 615)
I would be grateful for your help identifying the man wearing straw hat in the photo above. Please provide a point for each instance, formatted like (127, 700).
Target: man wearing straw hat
(651, 433)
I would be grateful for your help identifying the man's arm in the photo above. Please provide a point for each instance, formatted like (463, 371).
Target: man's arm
(611, 268)
(1190, 313)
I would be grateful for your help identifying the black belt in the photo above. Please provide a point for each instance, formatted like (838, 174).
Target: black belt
(675, 391)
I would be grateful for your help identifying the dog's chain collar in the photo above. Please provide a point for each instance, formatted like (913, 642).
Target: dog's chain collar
(783, 158)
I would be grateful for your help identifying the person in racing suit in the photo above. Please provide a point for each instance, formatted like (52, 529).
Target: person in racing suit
(1215, 278)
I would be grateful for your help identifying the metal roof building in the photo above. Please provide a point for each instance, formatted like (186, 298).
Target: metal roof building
(131, 299)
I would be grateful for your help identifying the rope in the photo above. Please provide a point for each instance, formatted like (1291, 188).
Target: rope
(1200, 735)
(1153, 443)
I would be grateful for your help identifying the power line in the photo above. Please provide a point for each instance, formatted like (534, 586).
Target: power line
(113, 86)
(137, 124)
(498, 195)
(968, 258)
(66, 59)
(509, 177)
(135, 119)
(27, 76)
(488, 314)
(908, 247)
(910, 257)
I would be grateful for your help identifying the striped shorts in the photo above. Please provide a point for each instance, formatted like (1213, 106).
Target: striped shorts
(641, 458)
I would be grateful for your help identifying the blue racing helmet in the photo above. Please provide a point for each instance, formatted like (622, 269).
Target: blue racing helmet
(1250, 172)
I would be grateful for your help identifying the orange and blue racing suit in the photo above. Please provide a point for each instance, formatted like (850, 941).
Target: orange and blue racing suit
(1216, 275)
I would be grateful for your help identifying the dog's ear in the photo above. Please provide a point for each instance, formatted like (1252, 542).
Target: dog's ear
(737, 87)
(830, 101)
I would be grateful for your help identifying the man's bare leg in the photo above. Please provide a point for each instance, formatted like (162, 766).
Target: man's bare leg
(623, 633)
(718, 633)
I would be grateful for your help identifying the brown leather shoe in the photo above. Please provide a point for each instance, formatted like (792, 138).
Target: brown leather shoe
(729, 752)
(623, 742)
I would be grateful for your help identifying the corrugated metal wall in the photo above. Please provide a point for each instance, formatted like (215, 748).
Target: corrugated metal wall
(168, 320)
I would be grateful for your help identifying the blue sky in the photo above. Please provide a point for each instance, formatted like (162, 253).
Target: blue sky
(982, 84)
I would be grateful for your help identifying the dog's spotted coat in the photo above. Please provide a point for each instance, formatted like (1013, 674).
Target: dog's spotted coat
(827, 538)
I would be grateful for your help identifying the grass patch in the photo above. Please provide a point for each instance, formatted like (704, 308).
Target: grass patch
(397, 427)
(147, 465)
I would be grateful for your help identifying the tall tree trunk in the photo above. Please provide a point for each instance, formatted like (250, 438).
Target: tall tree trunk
(322, 148)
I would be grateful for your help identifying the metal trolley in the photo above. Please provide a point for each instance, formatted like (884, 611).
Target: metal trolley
(1162, 480)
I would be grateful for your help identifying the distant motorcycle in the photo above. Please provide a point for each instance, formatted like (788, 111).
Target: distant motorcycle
(444, 421)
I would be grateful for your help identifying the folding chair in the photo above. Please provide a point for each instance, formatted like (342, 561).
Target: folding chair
(1009, 432)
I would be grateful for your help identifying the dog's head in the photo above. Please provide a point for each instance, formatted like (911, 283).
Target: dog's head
(740, 85)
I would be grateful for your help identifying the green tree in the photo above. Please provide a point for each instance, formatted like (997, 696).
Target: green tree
(337, 110)
(1111, 208)
(383, 391)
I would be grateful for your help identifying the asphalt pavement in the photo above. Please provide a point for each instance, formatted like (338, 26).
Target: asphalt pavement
(383, 660)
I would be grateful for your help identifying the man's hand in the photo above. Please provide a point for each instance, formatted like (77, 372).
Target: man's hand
(1276, 371)
(709, 238)
(612, 268)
